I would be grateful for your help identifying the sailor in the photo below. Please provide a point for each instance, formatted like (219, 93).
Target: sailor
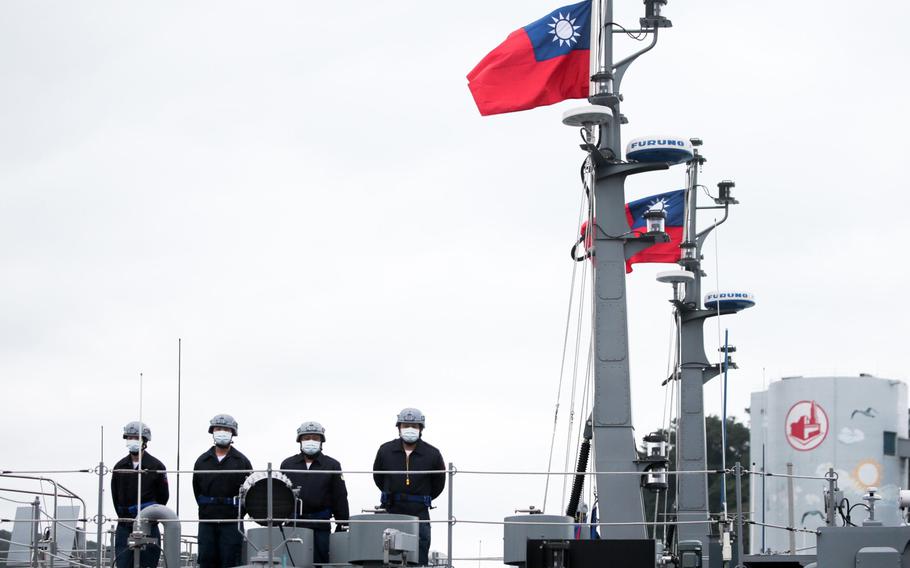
(124, 490)
(322, 495)
(410, 493)
(220, 543)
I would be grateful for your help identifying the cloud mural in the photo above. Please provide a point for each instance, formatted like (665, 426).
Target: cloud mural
(849, 435)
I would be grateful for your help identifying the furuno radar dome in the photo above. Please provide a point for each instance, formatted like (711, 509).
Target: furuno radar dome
(729, 302)
(589, 115)
(669, 149)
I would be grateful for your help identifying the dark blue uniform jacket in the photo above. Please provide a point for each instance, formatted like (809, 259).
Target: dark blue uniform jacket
(409, 493)
(323, 495)
(215, 493)
(124, 485)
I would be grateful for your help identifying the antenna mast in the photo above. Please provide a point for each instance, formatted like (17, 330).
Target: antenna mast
(615, 448)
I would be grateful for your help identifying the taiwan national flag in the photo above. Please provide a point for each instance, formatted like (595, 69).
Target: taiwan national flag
(543, 63)
(673, 204)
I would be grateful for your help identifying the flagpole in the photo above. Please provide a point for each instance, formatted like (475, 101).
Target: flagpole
(602, 79)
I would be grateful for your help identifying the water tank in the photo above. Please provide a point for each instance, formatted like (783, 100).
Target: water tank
(816, 423)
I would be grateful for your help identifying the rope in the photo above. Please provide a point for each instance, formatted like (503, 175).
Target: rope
(562, 363)
(575, 365)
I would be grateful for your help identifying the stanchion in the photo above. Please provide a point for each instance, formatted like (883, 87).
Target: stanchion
(451, 475)
(738, 468)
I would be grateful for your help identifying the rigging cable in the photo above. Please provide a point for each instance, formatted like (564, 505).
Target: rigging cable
(588, 391)
(583, 453)
(585, 198)
(721, 350)
(562, 366)
(587, 183)
(575, 365)
(667, 412)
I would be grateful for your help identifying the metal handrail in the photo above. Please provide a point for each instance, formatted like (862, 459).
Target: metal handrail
(450, 521)
(422, 472)
(29, 546)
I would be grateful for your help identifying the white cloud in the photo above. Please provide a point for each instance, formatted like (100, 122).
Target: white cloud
(849, 435)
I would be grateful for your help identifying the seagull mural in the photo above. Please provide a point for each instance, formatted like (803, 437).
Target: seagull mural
(811, 514)
(868, 413)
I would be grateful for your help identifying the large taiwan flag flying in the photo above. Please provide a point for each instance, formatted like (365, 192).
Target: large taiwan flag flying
(673, 204)
(542, 63)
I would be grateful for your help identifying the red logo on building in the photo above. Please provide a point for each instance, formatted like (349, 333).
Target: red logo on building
(806, 426)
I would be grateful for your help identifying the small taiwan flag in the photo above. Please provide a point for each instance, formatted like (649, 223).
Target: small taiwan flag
(543, 63)
(673, 204)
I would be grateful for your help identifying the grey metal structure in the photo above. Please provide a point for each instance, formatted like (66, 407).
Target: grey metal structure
(365, 540)
(522, 528)
(24, 536)
(155, 513)
(694, 368)
(338, 548)
(614, 436)
(295, 548)
(615, 447)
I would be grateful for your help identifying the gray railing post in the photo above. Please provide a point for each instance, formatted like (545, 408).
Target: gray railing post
(269, 491)
(791, 521)
(99, 519)
(36, 516)
(451, 474)
(831, 505)
(740, 537)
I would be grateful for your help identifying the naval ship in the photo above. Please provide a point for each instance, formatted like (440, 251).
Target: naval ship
(620, 471)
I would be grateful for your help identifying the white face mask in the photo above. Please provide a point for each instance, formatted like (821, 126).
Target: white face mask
(133, 446)
(410, 435)
(310, 447)
(222, 438)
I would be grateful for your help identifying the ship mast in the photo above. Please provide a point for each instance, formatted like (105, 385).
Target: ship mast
(615, 448)
(694, 369)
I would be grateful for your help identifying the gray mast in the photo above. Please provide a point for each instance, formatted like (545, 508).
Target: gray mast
(694, 368)
(614, 437)
(694, 371)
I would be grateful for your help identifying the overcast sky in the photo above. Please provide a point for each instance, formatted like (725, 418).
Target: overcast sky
(307, 196)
